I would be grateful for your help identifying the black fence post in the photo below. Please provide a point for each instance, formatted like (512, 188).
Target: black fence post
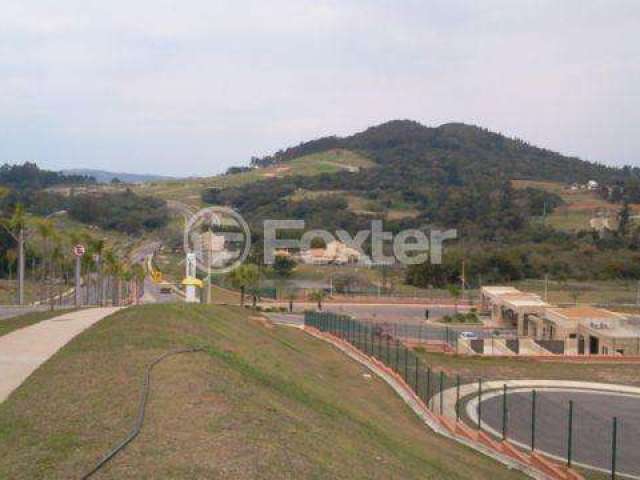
(406, 365)
(429, 387)
(457, 398)
(388, 351)
(570, 434)
(441, 392)
(480, 404)
(614, 447)
(416, 384)
(533, 420)
(367, 344)
(504, 412)
(397, 355)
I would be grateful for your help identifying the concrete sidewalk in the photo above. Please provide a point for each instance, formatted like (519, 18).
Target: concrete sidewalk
(24, 350)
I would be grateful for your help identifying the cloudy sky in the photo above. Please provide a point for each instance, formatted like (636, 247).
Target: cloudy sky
(194, 86)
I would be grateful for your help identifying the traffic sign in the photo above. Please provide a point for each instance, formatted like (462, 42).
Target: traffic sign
(78, 250)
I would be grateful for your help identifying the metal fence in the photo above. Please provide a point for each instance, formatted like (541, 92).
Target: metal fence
(572, 427)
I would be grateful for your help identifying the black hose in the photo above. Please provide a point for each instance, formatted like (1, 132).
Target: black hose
(146, 382)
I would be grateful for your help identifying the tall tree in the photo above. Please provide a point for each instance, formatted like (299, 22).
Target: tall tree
(243, 277)
(624, 216)
(46, 231)
(16, 226)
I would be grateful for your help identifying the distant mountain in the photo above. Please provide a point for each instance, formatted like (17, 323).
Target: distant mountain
(103, 176)
(467, 151)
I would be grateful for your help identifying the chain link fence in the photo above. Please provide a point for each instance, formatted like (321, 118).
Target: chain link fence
(573, 427)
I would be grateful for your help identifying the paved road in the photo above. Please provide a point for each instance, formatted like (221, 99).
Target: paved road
(592, 434)
(152, 294)
(24, 350)
(404, 321)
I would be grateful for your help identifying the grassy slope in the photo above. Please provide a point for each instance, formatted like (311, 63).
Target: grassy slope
(189, 190)
(491, 368)
(581, 206)
(8, 325)
(260, 403)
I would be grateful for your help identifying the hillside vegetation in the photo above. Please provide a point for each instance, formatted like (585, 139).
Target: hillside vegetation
(189, 190)
(453, 175)
(259, 403)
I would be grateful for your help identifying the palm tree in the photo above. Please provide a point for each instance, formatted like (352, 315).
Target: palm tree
(291, 296)
(87, 264)
(245, 276)
(12, 256)
(317, 296)
(127, 275)
(16, 226)
(57, 260)
(96, 248)
(456, 292)
(139, 275)
(113, 269)
(45, 230)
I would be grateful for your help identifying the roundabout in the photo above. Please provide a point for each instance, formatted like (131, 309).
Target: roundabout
(561, 419)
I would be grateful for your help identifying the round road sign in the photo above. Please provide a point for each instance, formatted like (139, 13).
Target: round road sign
(78, 250)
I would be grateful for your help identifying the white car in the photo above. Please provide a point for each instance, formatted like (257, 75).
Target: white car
(469, 335)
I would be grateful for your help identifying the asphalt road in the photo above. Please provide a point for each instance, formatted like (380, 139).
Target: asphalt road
(388, 313)
(152, 294)
(592, 420)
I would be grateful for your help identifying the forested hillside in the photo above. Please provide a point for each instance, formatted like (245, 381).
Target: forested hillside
(456, 176)
(457, 152)
(453, 175)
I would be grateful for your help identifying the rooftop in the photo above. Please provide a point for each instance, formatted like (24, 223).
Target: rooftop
(585, 313)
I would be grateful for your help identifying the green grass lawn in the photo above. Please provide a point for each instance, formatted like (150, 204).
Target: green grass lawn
(505, 368)
(260, 403)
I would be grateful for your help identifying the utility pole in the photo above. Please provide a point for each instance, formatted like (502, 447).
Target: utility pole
(546, 287)
(78, 282)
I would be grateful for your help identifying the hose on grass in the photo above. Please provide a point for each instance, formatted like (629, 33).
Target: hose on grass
(144, 395)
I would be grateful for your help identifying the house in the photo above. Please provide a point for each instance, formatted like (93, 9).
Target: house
(592, 185)
(581, 330)
(335, 252)
(512, 308)
(562, 323)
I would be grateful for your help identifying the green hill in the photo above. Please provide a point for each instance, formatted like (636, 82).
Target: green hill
(259, 403)
(454, 175)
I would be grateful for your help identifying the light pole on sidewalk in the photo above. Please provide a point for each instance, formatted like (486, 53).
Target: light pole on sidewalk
(78, 252)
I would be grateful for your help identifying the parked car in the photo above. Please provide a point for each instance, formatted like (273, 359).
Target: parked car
(469, 335)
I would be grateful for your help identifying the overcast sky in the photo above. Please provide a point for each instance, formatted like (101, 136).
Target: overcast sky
(194, 86)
